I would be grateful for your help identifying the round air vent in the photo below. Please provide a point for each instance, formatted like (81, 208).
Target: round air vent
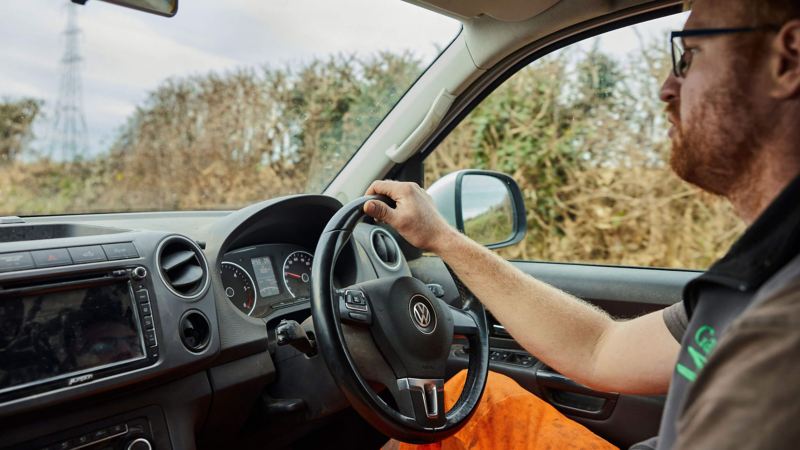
(385, 248)
(183, 267)
(194, 331)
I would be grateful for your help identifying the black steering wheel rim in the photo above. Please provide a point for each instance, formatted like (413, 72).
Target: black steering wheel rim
(331, 343)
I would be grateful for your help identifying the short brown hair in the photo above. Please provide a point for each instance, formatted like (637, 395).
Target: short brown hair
(773, 12)
(765, 12)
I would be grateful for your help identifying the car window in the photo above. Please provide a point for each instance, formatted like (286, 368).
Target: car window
(106, 109)
(584, 135)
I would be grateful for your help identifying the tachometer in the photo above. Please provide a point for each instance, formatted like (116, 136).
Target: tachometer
(297, 273)
(239, 287)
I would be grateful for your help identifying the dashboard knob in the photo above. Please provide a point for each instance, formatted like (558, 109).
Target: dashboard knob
(139, 273)
(139, 444)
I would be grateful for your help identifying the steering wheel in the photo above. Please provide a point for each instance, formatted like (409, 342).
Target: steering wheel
(405, 328)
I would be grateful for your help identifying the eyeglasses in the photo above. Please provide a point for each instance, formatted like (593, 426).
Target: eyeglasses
(682, 60)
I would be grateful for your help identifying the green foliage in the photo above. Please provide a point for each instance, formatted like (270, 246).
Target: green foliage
(16, 123)
(222, 141)
(491, 227)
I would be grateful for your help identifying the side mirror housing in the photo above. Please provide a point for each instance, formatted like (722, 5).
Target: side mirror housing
(486, 206)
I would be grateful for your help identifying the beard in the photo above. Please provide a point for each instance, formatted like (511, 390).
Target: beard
(714, 147)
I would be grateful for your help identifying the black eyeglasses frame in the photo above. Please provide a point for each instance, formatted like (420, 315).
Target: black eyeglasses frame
(677, 56)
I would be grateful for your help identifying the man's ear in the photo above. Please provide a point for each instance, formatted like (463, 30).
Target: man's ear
(785, 65)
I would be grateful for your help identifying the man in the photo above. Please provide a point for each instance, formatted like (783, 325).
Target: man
(729, 354)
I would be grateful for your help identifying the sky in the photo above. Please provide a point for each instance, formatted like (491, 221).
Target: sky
(127, 53)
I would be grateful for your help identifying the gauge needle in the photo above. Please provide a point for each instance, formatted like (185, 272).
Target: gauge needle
(293, 275)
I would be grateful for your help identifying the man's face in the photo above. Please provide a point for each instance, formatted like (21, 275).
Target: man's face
(714, 109)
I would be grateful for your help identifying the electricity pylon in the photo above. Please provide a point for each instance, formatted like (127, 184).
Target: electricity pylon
(69, 137)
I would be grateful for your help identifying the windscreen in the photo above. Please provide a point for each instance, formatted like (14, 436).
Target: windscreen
(109, 109)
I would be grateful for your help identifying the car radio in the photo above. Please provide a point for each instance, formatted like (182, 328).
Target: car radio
(75, 329)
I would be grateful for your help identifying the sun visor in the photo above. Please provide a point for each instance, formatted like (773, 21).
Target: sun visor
(503, 10)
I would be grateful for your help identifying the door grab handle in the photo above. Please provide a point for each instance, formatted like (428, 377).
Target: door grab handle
(574, 398)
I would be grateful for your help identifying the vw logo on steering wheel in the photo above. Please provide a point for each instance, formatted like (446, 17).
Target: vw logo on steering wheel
(422, 314)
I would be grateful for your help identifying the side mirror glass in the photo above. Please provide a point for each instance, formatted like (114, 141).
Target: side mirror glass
(486, 211)
(166, 8)
(486, 206)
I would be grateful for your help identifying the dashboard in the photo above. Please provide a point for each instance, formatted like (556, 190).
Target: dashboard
(147, 328)
(160, 328)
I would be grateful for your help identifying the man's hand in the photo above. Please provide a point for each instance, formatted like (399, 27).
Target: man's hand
(415, 217)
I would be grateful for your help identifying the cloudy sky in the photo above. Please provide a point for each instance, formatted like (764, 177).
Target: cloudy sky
(128, 53)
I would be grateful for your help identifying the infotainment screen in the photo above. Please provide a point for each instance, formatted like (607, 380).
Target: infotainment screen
(55, 335)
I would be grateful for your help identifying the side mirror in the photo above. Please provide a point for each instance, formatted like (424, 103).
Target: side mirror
(486, 206)
(166, 8)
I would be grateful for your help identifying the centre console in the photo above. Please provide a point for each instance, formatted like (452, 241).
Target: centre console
(87, 315)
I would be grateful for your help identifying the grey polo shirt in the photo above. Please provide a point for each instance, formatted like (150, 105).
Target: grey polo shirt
(736, 383)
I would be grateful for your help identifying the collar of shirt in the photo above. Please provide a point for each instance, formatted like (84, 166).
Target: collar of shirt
(767, 245)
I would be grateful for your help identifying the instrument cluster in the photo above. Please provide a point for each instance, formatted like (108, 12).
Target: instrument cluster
(261, 279)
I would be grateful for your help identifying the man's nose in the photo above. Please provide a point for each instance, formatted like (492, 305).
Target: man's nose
(670, 90)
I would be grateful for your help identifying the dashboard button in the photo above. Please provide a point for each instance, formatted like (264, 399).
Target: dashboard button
(146, 311)
(16, 261)
(92, 253)
(359, 317)
(81, 440)
(100, 434)
(52, 257)
(123, 250)
(150, 337)
(148, 322)
(136, 428)
(142, 296)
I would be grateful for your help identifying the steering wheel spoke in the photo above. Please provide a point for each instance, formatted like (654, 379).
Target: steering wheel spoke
(422, 400)
(463, 322)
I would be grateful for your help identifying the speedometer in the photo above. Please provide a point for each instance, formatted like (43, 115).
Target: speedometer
(239, 287)
(297, 274)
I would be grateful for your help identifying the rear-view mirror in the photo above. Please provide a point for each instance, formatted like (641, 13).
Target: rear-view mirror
(486, 206)
(166, 8)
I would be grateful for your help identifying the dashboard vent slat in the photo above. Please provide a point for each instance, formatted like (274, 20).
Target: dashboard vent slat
(171, 261)
(187, 276)
(183, 267)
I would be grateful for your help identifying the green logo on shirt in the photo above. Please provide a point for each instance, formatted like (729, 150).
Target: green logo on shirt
(705, 339)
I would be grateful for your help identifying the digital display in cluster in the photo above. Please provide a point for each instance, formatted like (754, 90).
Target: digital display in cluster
(265, 277)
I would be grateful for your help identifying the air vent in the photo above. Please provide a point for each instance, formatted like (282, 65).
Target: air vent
(385, 248)
(194, 331)
(183, 267)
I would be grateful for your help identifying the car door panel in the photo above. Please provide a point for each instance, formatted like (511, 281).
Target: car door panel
(623, 292)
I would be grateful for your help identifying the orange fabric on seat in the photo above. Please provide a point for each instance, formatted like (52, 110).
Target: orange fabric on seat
(509, 417)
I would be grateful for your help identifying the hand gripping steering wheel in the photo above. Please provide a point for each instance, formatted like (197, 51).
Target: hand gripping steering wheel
(408, 330)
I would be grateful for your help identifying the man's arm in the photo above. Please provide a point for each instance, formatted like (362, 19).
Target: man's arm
(575, 338)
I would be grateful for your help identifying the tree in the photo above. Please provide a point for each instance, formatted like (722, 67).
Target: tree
(16, 127)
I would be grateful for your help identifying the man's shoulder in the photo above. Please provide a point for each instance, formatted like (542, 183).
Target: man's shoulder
(778, 300)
